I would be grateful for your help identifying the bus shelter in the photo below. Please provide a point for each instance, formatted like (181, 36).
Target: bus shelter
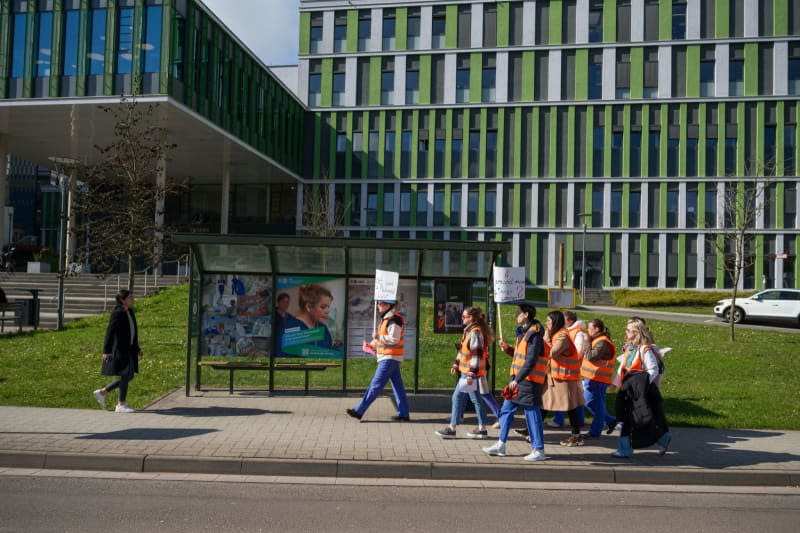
(256, 301)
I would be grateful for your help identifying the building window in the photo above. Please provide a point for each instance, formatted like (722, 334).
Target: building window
(72, 19)
(339, 69)
(125, 40)
(595, 21)
(455, 205)
(473, 203)
(765, 52)
(488, 78)
(97, 43)
(456, 153)
(316, 33)
(541, 76)
(341, 153)
(489, 25)
(635, 164)
(438, 205)
(653, 152)
(413, 28)
(789, 141)
(438, 28)
(672, 206)
(438, 154)
(515, 17)
(707, 19)
(412, 80)
(362, 82)
(710, 205)
(474, 153)
(340, 31)
(389, 29)
(679, 19)
(490, 206)
(651, 20)
(45, 25)
(405, 205)
(707, 71)
(568, 74)
(616, 153)
(422, 205)
(387, 81)
(624, 21)
(595, 75)
(422, 157)
(20, 38)
(464, 25)
(635, 206)
(691, 205)
(542, 23)
(364, 29)
(405, 154)
(650, 89)
(315, 84)
(491, 153)
(691, 156)
(616, 205)
(597, 151)
(711, 156)
(462, 78)
(730, 156)
(152, 39)
(388, 205)
(623, 73)
(736, 71)
(794, 68)
(678, 71)
(736, 18)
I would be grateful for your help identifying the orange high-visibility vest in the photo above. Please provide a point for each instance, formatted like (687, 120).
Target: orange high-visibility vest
(603, 370)
(565, 367)
(539, 371)
(393, 350)
(466, 355)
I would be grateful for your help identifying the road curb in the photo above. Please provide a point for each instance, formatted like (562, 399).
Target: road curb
(398, 470)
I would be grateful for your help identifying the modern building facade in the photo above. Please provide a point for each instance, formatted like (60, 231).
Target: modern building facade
(611, 128)
(525, 120)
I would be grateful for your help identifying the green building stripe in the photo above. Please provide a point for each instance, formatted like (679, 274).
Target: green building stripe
(375, 80)
(780, 139)
(626, 140)
(451, 26)
(741, 152)
(589, 140)
(609, 21)
(693, 71)
(570, 170)
(352, 30)
(663, 144)
(528, 77)
(475, 75)
(751, 69)
(607, 133)
(581, 74)
(503, 23)
(643, 260)
(665, 20)
(721, 17)
(626, 205)
(662, 205)
(401, 28)
(552, 156)
(304, 45)
(681, 261)
(554, 33)
(517, 162)
(780, 17)
(682, 136)
(637, 72)
(326, 88)
(500, 169)
(425, 65)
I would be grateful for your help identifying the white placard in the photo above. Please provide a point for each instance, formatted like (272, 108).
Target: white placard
(386, 283)
(509, 284)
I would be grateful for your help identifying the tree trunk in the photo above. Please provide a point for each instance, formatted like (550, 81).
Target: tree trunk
(131, 267)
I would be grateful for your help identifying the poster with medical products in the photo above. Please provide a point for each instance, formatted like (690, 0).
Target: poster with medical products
(236, 318)
(314, 322)
(361, 309)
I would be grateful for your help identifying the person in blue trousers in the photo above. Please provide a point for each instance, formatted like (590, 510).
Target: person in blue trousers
(388, 345)
(529, 367)
(597, 371)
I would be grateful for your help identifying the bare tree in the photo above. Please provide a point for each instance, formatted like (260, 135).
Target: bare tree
(323, 213)
(743, 201)
(121, 203)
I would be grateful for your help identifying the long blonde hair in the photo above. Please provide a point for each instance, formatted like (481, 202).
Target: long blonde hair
(641, 333)
(479, 319)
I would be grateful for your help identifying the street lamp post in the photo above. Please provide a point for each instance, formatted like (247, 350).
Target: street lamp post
(63, 183)
(583, 257)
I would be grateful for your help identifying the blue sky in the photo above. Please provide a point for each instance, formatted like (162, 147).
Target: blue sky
(268, 27)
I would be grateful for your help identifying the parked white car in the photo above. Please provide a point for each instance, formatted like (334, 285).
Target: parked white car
(771, 304)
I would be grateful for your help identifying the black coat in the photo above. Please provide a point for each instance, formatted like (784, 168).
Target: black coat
(640, 406)
(118, 341)
(530, 393)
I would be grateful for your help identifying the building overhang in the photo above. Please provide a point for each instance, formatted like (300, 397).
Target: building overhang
(40, 129)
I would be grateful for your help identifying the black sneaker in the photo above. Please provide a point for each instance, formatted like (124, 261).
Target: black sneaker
(446, 433)
(398, 418)
(521, 431)
(354, 413)
(611, 427)
(479, 434)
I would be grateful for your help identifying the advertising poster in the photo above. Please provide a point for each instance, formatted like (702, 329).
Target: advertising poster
(313, 323)
(450, 297)
(361, 309)
(236, 318)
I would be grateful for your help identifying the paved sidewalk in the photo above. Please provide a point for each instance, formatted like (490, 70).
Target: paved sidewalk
(257, 434)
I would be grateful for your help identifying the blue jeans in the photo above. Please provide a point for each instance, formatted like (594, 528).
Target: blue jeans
(459, 401)
(533, 418)
(594, 393)
(388, 370)
(490, 402)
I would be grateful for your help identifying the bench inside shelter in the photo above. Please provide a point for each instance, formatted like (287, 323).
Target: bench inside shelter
(263, 365)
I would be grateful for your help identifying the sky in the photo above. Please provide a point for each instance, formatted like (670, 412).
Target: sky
(267, 27)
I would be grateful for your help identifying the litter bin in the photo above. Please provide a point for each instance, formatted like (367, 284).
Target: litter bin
(30, 310)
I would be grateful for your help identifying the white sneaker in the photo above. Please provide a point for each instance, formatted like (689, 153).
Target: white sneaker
(123, 408)
(536, 456)
(100, 397)
(496, 425)
(552, 424)
(498, 449)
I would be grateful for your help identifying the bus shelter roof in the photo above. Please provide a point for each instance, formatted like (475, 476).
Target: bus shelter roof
(348, 256)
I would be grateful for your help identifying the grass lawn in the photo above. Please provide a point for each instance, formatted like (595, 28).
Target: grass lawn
(709, 381)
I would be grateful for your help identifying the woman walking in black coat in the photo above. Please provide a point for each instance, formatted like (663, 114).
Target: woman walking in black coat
(121, 351)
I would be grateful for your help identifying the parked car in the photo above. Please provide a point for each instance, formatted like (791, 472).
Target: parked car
(771, 304)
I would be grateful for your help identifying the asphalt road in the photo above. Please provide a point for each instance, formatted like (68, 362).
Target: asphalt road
(120, 503)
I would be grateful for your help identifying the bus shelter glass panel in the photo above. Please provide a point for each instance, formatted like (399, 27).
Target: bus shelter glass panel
(455, 263)
(234, 258)
(364, 261)
(310, 260)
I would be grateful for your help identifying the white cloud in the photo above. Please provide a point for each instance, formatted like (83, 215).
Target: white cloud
(268, 27)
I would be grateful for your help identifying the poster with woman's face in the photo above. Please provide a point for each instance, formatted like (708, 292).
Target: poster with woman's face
(313, 323)
(236, 318)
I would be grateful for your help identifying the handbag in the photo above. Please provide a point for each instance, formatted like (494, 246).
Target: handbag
(107, 368)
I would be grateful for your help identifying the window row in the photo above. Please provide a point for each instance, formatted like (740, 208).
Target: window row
(635, 205)
(83, 43)
(672, 140)
(720, 70)
(521, 23)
